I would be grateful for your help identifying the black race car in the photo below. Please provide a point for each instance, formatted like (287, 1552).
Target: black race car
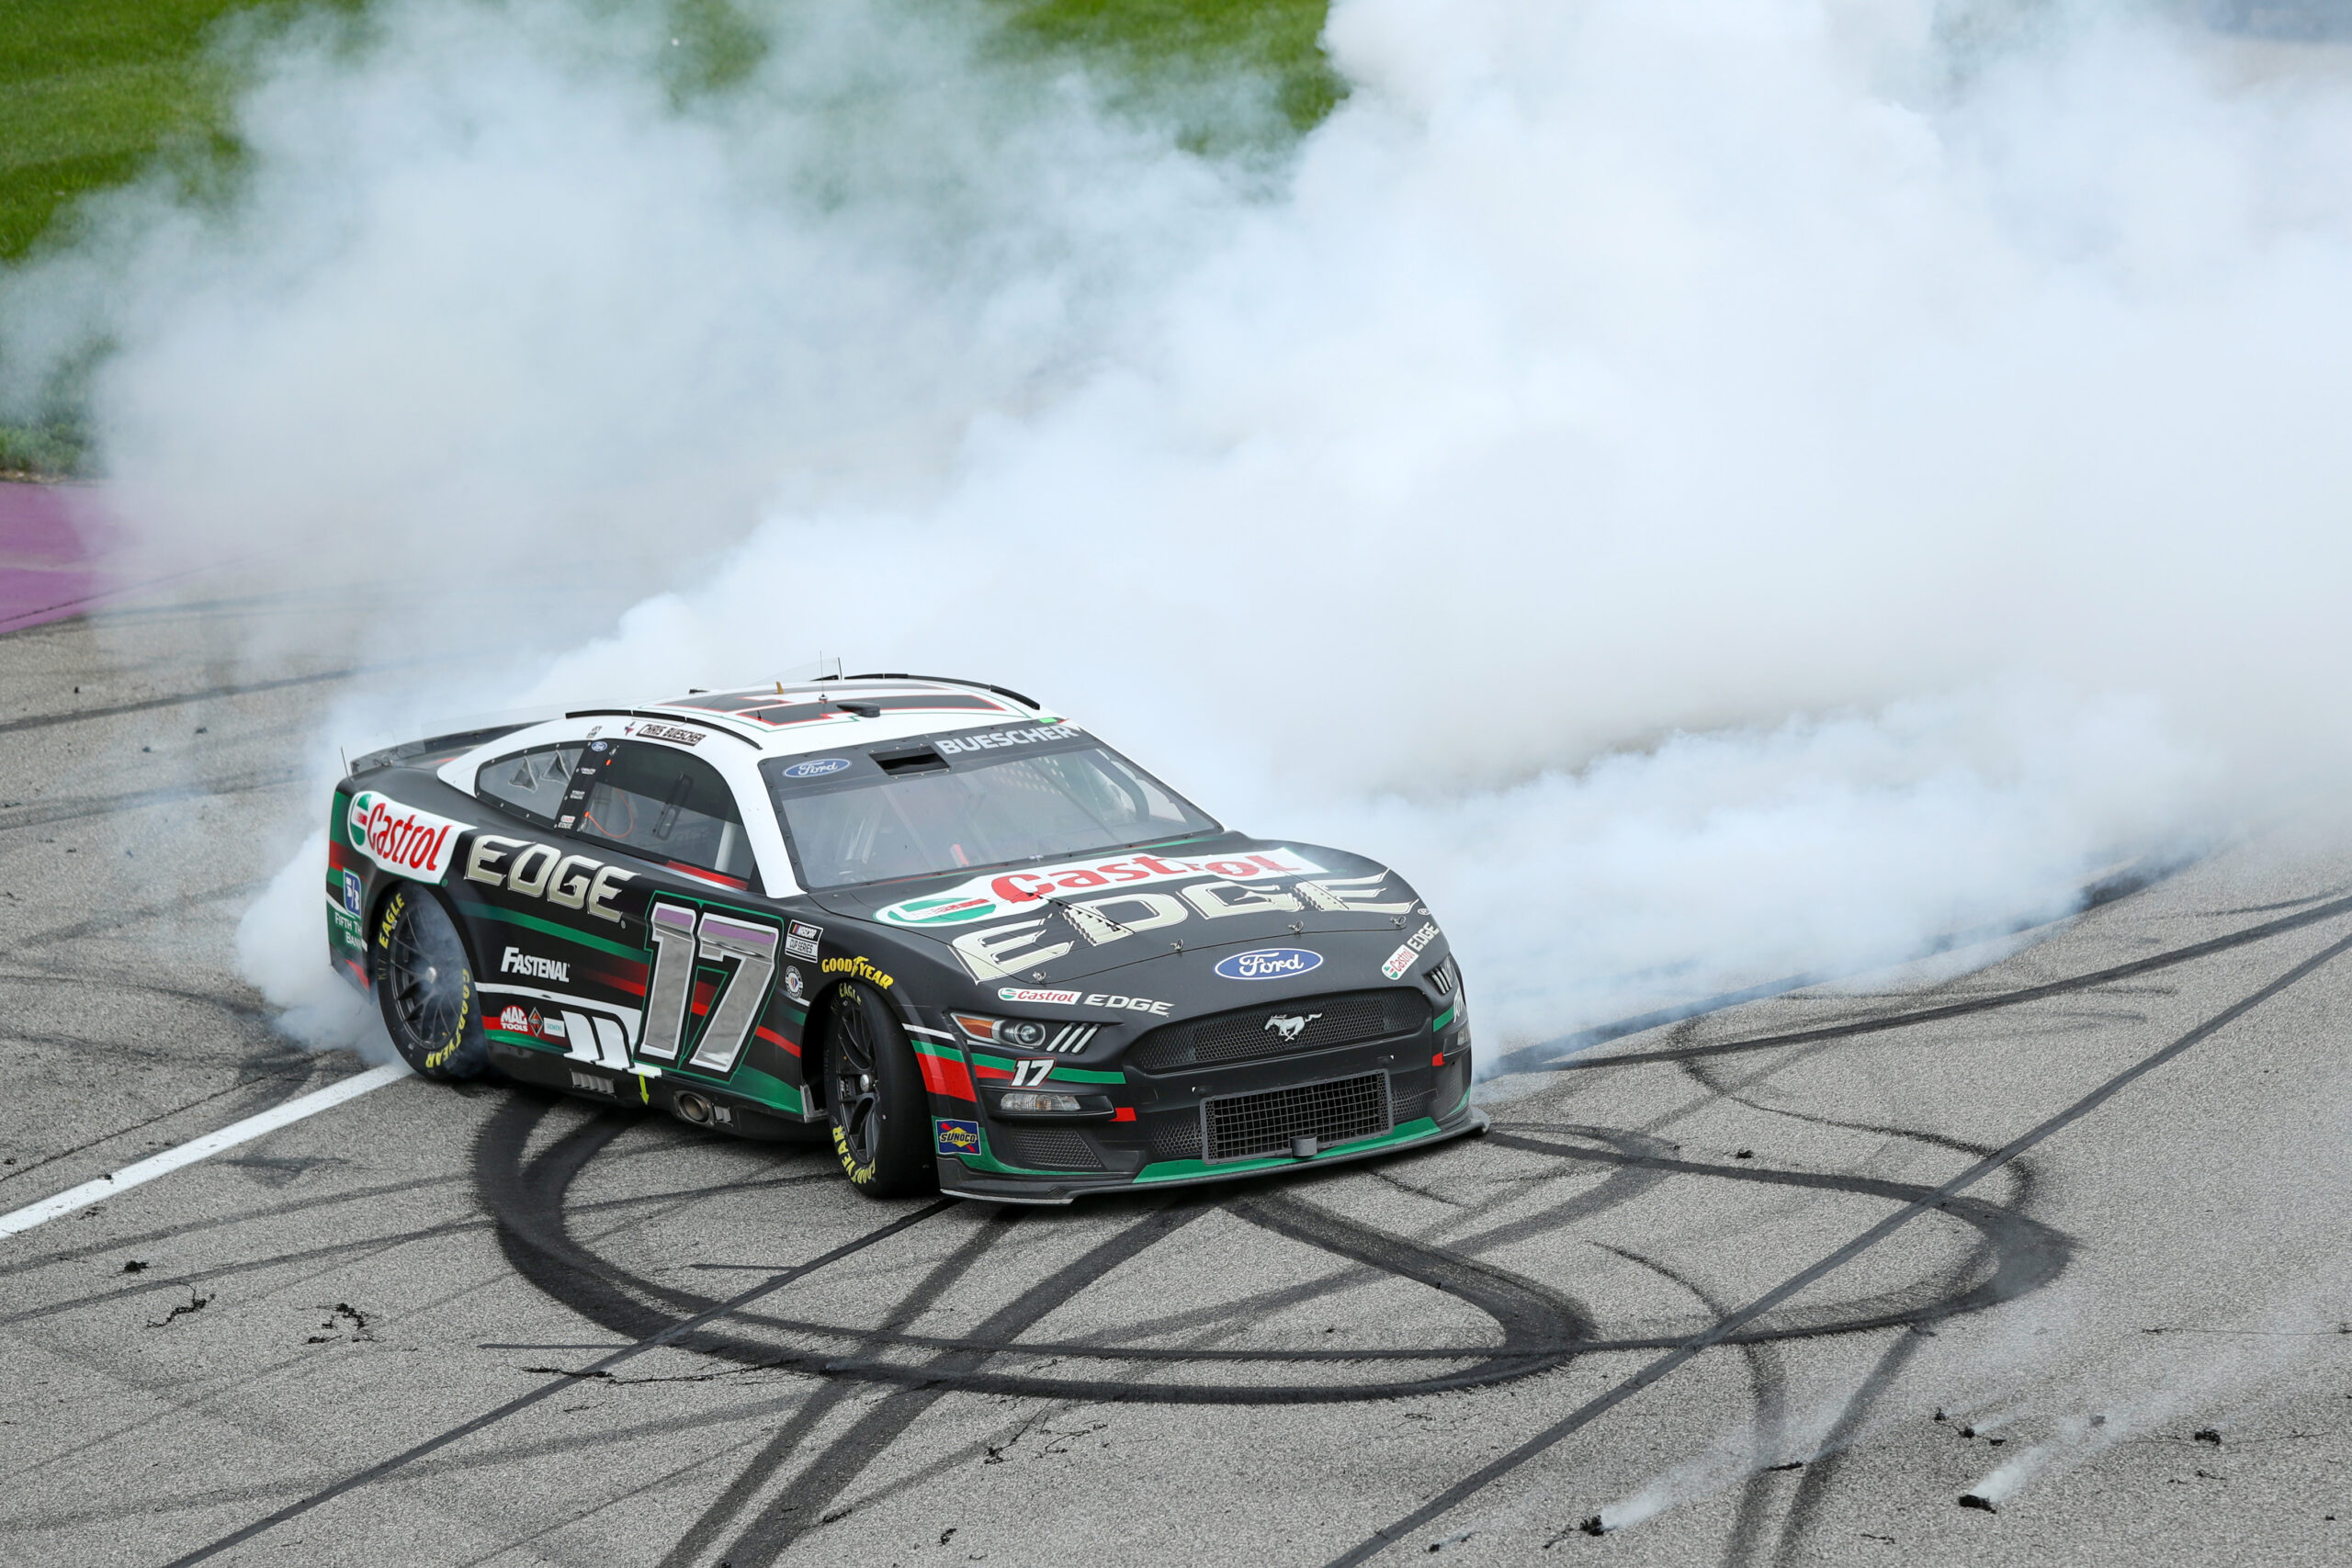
(957, 932)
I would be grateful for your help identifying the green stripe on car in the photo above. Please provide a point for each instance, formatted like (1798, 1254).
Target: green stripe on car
(1180, 1169)
(551, 928)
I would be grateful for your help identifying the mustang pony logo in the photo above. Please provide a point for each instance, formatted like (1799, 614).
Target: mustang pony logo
(1290, 1026)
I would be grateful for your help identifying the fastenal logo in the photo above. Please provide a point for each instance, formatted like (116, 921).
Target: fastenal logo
(1270, 964)
(517, 961)
(415, 843)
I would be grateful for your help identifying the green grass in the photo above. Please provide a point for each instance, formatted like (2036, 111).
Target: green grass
(1146, 43)
(92, 92)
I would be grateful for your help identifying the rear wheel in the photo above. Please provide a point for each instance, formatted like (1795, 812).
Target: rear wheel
(426, 987)
(879, 1111)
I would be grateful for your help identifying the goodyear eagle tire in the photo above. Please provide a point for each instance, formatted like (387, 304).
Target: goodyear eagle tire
(875, 1098)
(426, 985)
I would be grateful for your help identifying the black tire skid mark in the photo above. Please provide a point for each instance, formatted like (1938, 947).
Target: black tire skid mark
(739, 1493)
(1965, 1007)
(167, 1392)
(368, 1194)
(1547, 1054)
(249, 1074)
(79, 808)
(784, 1536)
(801, 1505)
(1539, 1324)
(1822, 1471)
(161, 907)
(209, 693)
(1767, 1389)
(1946, 1197)
(2023, 1175)
(603, 1435)
(1823, 1466)
(669, 1477)
(356, 1246)
(528, 1200)
(172, 1391)
(255, 1014)
(2023, 1254)
(1618, 1187)
(525, 1197)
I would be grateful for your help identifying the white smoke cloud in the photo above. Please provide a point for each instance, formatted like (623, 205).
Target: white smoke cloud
(1711, 491)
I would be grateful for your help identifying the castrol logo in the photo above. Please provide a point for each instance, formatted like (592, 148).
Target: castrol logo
(402, 838)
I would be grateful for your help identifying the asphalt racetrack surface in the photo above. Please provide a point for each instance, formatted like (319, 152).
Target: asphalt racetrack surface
(2081, 1199)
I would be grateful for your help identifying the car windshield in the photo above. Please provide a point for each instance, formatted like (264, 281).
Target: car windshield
(885, 819)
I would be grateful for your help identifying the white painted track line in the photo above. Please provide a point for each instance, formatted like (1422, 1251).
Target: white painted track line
(195, 1149)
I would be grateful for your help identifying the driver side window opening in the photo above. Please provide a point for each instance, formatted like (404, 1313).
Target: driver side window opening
(665, 806)
(530, 784)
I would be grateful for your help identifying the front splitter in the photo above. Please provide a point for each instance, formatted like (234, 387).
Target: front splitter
(1029, 1190)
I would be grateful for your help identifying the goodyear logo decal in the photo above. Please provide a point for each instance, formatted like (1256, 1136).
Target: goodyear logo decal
(958, 1137)
(860, 968)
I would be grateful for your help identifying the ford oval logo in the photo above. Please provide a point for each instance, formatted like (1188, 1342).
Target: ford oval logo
(816, 769)
(1268, 964)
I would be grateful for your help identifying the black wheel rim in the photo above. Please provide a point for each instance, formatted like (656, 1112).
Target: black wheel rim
(425, 967)
(857, 1088)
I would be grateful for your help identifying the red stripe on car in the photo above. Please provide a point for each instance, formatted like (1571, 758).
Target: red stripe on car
(944, 1076)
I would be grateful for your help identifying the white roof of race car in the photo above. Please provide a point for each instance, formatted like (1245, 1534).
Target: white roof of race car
(791, 720)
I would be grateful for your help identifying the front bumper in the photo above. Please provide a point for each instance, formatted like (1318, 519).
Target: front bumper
(1183, 1124)
(958, 1178)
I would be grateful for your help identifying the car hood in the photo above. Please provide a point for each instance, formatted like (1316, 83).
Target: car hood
(1086, 916)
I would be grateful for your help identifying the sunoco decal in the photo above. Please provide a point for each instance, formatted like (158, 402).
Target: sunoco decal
(984, 896)
(957, 1137)
(401, 838)
(1270, 964)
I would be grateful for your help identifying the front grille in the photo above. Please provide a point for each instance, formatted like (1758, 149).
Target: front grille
(1407, 1106)
(1176, 1137)
(1246, 1125)
(1347, 1018)
(1044, 1148)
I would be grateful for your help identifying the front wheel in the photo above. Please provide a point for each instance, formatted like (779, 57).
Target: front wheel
(426, 987)
(879, 1111)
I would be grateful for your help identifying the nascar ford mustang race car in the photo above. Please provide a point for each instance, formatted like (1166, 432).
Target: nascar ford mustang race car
(955, 930)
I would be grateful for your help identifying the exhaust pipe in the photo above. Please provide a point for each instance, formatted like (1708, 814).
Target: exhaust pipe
(691, 1107)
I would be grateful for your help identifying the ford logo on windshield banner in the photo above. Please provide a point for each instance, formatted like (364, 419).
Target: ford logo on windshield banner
(1268, 964)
